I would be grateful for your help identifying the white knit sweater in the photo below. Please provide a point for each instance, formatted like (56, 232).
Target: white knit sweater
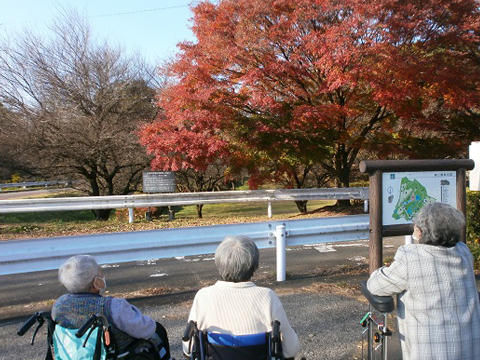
(241, 309)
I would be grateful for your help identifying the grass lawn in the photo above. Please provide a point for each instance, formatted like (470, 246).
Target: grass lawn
(249, 209)
(47, 217)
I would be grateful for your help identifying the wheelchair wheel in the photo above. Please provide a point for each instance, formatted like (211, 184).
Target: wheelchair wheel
(140, 356)
(141, 350)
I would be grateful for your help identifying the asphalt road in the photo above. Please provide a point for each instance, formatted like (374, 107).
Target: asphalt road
(10, 195)
(320, 296)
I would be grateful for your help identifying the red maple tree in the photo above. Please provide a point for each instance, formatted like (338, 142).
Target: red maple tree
(283, 86)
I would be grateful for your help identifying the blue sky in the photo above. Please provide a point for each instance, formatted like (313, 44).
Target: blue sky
(153, 27)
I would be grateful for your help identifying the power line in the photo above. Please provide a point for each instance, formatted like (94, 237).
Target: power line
(138, 11)
(104, 15)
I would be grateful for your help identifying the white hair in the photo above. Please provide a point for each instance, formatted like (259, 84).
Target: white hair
(441, 224)
(237, 258)
(78, 272)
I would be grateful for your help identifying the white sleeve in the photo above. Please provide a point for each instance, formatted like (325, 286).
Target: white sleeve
(390, 280)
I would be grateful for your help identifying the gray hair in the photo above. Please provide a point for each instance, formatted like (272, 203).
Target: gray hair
(441, 224)
(237, 258)
(78, 272)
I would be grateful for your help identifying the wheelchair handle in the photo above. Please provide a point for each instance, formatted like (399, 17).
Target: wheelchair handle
(28, 324)
(40, 317)
(83, 329)
(188, 333)
(276, 330)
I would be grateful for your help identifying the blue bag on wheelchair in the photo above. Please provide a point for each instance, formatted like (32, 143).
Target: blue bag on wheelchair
(67, 346)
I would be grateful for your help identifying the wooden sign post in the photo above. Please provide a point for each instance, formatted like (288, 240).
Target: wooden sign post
(399, 188)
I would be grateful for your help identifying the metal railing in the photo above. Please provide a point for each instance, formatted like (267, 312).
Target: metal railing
(179, 199)
(26, 184)
(20, 256)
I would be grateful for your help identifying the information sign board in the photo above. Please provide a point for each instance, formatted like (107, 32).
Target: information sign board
(474, 153)
(405, 193)
(158, 181)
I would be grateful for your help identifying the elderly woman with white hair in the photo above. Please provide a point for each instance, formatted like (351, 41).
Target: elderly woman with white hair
(235, 305)
(437, 308)
(85, 281)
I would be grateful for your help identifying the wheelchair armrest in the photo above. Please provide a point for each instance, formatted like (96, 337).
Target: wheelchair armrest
(383, 304)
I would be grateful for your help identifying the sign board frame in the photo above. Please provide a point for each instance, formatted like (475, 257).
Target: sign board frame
(375, 169)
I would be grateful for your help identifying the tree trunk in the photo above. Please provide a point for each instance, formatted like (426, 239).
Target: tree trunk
(199, 210)
(302, 206)
(343, 203)
(343, 181)
(102, 214)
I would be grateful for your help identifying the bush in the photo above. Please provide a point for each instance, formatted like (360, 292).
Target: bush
(138, 213)
(473, 225)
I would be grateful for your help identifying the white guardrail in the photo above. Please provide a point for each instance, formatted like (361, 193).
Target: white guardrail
(21, 256)
(178, 199)
(36, 184)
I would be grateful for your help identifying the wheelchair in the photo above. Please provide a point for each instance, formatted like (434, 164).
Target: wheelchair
(93, 340)
(215, 346)
(376, 329)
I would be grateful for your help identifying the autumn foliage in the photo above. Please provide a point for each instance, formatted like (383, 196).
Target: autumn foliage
(283, 87)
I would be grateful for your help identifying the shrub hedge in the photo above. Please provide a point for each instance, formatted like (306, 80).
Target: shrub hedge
(473, 225)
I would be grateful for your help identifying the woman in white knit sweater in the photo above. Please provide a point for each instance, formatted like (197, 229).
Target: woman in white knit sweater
(235, 305)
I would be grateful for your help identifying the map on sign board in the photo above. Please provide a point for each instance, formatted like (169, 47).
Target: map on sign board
(405, 193)
(411, 197)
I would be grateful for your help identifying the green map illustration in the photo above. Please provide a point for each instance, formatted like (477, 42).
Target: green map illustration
(412, 197)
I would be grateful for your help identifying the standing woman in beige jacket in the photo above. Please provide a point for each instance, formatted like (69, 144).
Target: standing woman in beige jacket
(437, 309)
